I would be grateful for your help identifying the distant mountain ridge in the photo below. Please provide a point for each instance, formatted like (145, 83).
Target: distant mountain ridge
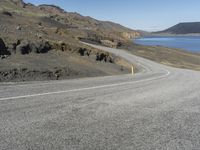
(183, 28)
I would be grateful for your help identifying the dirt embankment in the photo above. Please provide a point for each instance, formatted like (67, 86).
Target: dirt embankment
(28, 61)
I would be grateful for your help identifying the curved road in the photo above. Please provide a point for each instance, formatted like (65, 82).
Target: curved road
(158, 108)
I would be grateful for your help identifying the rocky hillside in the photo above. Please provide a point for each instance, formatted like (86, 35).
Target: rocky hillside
(42, 42)
(183, 28)
(88, 27)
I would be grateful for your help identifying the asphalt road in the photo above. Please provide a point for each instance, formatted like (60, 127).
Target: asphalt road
(157, 108)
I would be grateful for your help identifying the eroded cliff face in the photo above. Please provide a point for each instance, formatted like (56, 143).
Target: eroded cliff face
(130, 35)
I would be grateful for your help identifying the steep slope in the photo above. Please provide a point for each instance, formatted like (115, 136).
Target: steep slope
(183, 28)
(42, 42)
(91, 28)
(76, 20)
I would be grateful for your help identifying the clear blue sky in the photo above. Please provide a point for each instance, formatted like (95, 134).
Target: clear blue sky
(150, 15)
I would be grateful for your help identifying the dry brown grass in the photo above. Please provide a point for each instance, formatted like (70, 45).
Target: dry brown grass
(168, 56)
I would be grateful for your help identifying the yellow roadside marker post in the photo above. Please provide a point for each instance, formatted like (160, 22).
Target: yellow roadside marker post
(132, 70)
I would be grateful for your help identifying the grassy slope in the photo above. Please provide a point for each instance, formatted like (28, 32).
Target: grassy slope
(168, 56)
(71, 27)
(41, 66)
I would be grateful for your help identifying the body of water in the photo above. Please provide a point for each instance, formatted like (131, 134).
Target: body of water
(189, 43)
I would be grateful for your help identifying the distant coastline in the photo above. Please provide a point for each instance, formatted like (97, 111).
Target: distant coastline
(187, 43)
(169, 34)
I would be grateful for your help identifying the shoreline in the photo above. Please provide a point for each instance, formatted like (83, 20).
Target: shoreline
(167, 45)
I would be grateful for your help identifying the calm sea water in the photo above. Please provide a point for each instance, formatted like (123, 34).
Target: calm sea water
(189, 43)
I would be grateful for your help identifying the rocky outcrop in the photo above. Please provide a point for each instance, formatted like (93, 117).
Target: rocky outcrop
(84, 52)
(109, 43)
(41, 47)
(2, 46)
(130, 35)
(104, 57)
(27, 47)
(7, 13)
(23, 48)
(61, 46)
(25, 74)
(3, 49)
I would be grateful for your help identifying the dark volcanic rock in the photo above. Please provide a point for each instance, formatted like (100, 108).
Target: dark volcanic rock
(82, 51)
(27, 47)
(6, 13)
(25, 74)
(62, 46)
(2, 45)
(3, 48)
(104, 57)
(23, 48)
(12, 46)
(40, 47)
(101, 57)
(44, 47)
